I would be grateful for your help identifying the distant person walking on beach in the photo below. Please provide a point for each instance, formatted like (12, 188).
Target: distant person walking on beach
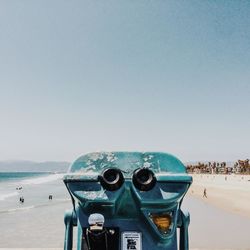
(205, 193)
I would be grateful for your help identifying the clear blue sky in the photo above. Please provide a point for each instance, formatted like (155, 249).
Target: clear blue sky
(80, 76)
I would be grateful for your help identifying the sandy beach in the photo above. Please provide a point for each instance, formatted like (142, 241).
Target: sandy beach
(227, 192)
(220, 221)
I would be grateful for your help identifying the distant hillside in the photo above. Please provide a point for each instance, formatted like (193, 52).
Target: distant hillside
(30, 166)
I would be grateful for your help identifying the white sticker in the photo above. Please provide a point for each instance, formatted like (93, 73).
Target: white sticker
(131, 241)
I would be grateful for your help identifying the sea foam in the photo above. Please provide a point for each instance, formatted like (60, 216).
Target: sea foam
(5, 196)
(41, 180)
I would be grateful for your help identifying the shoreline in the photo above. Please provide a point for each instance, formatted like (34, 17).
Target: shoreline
(228, 192)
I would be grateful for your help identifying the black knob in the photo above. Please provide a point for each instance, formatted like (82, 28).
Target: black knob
(111, 179)
(144, 179)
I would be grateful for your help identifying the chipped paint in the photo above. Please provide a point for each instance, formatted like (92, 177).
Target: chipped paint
(89, 166)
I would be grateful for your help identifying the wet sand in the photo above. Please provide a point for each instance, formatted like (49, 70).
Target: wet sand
(214, 228)
(41, 227)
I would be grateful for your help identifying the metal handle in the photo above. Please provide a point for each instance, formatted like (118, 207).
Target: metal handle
(184, 223)
(69, 221)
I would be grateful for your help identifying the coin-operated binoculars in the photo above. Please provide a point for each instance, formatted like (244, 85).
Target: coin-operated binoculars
(127, 201)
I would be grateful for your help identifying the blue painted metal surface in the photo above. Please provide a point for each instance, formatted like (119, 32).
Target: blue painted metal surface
(129, 208)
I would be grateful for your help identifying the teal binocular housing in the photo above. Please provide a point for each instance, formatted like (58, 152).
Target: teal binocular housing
(127, 201)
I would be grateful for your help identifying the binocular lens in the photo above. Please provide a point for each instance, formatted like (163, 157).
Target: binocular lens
(144, 179)
(111, 179)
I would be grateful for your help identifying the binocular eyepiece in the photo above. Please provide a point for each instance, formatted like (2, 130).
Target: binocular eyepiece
(112, 179)
(144, 179)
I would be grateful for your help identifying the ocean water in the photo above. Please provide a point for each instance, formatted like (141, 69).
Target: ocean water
(38, 222)
(14, 176)
(34, 187)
